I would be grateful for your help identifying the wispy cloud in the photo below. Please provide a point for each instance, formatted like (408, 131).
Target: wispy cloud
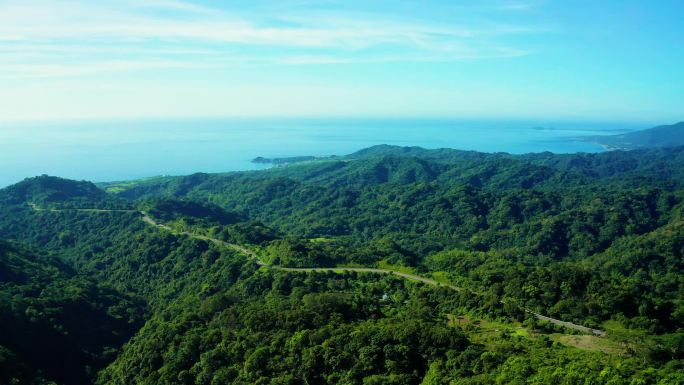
(70, 38)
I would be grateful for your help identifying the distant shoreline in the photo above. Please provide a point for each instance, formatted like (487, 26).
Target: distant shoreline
(165, 147)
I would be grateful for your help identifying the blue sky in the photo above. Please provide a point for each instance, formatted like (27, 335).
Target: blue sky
(496, 59)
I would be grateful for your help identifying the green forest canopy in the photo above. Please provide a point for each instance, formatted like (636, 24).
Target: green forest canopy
(596, 239)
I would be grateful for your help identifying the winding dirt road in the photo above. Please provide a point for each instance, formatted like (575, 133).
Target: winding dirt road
(241, 249)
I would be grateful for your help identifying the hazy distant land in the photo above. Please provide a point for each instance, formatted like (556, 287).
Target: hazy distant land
(661, 136)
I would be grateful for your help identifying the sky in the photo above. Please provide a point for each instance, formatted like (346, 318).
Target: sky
(612, 60)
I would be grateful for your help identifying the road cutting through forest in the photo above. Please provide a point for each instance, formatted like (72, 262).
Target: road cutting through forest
(241, 249)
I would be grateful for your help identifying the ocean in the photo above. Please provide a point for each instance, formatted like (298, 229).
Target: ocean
(119, 150)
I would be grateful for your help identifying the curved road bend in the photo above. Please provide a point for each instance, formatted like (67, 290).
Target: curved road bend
(411, 277)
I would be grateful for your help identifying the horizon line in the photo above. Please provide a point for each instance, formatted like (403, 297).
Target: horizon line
(368, 117)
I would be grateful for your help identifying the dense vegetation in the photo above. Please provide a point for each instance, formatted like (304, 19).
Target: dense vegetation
(596, 239)
(56, 323)
(575, 225)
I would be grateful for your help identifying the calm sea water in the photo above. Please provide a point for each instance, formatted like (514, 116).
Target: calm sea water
(121, 150)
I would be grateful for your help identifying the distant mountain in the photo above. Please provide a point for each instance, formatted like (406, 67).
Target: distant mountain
(441, 155)
(380, 150)
(290, 160)
(661, 136)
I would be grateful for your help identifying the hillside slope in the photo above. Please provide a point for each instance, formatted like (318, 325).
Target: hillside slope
(593, 239)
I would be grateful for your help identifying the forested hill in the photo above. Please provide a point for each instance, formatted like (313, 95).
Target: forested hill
(594, 239)
(392, 164)
(47, 191)
(662, 136)
(659, 163)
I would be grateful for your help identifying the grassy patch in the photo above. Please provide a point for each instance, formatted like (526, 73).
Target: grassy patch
(591, 343)
(320, 240)
(350, 265)
(117, 187)
(441, 277)
(487, 332)
(400, 268)
(616, 329)
(458, 320)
